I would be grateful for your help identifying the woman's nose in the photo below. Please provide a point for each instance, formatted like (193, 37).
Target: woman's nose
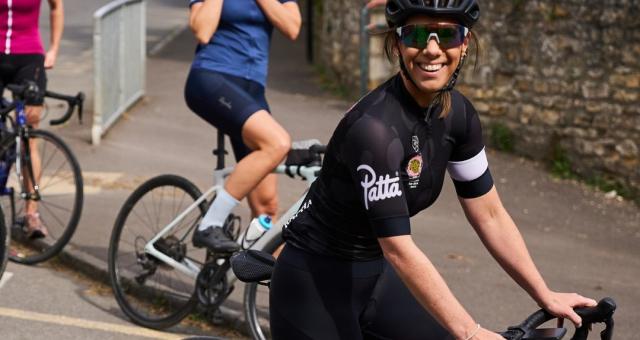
(432, 48)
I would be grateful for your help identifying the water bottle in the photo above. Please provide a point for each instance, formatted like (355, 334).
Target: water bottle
(258, 226)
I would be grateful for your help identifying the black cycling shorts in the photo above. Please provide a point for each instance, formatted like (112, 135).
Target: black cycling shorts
(226, 102)
(19, 68)
(315, 297)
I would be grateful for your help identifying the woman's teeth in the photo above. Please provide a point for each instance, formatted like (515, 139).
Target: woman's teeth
(429, 67)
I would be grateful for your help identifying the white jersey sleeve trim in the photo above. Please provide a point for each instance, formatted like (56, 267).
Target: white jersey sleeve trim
(470, 169)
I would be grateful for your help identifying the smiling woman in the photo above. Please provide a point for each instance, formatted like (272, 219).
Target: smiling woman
(350, 268)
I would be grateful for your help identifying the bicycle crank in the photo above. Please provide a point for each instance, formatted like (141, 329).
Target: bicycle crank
(212, 287)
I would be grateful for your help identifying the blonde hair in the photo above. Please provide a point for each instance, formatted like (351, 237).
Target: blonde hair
(444, 99)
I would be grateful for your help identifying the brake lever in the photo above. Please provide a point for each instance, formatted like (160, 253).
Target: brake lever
(80, 102)
(581, 333)
(607, 333)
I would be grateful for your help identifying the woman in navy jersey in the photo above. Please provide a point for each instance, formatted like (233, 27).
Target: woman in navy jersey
(226, 87)
(23, 58)
(350, 268)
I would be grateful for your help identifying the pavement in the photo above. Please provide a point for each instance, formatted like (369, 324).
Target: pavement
(582, 240)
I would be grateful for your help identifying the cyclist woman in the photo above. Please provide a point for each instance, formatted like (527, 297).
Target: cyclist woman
(23, 58)
(350, 269)
(225, 87)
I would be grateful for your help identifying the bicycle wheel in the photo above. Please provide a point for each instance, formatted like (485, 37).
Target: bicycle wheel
(59, 203)
(256, 301)
(5, 234)
(150, 292)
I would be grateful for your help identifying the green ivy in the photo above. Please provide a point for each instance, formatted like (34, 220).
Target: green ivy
(561, 164)
(609, 184)
(501, 137)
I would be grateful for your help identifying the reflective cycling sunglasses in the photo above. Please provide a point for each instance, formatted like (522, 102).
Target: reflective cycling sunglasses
(418, 36)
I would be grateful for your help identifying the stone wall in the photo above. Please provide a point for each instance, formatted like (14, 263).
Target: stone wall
(337, 40)
(561, 79)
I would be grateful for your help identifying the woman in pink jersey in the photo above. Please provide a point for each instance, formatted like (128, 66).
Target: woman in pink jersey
(23, 58)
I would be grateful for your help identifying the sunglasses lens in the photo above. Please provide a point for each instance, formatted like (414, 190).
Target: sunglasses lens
(417, 36)
(450, 36)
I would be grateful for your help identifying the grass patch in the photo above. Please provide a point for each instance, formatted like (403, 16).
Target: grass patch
(561, 164)
(501, 137)
(609, 184)
(561, 167)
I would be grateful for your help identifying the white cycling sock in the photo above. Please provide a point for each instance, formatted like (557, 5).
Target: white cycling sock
(219, 210)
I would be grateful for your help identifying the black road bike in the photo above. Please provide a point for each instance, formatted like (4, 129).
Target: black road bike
(256, 267)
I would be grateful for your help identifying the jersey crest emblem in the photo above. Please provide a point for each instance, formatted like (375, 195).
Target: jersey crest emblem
(414, 169)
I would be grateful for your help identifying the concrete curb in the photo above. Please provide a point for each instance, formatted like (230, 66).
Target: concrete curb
(80, 262)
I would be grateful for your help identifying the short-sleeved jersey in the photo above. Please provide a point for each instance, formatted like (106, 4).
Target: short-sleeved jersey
(384, 163)
(19, 27)
(240, 45)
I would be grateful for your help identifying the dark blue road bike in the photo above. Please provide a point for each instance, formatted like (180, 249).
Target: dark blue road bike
(49, 178)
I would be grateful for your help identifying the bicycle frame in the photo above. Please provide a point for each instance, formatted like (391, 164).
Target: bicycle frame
(20, 131)
(190, 268)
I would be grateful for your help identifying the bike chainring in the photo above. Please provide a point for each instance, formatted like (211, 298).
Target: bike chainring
(212, 291)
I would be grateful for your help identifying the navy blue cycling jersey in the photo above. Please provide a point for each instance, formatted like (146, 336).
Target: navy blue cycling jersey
(240, 45)
(384, 163)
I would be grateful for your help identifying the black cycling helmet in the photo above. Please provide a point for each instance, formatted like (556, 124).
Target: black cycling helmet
(466, 12)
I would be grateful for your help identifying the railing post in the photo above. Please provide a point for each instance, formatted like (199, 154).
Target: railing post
(96, 129)
(364, 51)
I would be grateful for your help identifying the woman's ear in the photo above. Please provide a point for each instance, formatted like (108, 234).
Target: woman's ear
(465, 43)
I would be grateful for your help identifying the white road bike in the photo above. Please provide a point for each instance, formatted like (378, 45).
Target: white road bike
(159, 277)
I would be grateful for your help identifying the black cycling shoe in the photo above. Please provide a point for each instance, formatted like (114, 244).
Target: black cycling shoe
(215, 239)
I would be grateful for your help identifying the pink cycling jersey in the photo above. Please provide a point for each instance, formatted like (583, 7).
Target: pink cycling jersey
(19, 33)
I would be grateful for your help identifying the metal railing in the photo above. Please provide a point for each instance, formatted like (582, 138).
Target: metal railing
(364, 50)
(119, 46)
(367, 29)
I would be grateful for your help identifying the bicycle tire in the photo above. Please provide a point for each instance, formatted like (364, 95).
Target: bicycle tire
(59, 205)
(143, 287)
(5, 239)
(256, 312)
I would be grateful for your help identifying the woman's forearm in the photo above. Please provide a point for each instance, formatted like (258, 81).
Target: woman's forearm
(426, 284)
(502, 238)
(56, 18)
(507, 246)
(284, 17)
(204, 19)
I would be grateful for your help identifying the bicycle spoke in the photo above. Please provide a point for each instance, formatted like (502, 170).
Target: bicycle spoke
(54, 205)
(43, 152)
(148, 226)
(54, 216)
(60, 179)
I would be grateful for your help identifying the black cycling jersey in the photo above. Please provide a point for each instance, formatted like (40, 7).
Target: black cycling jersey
(384, 163)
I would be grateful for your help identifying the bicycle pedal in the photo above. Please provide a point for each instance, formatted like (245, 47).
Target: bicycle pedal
(216, 317)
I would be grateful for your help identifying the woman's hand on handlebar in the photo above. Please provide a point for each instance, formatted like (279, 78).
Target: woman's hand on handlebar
(561, 305)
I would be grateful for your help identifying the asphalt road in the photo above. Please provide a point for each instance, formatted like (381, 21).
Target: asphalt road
(51, 301)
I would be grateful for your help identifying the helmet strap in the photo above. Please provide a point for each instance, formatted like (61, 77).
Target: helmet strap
(405, 72)
(454, 76)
